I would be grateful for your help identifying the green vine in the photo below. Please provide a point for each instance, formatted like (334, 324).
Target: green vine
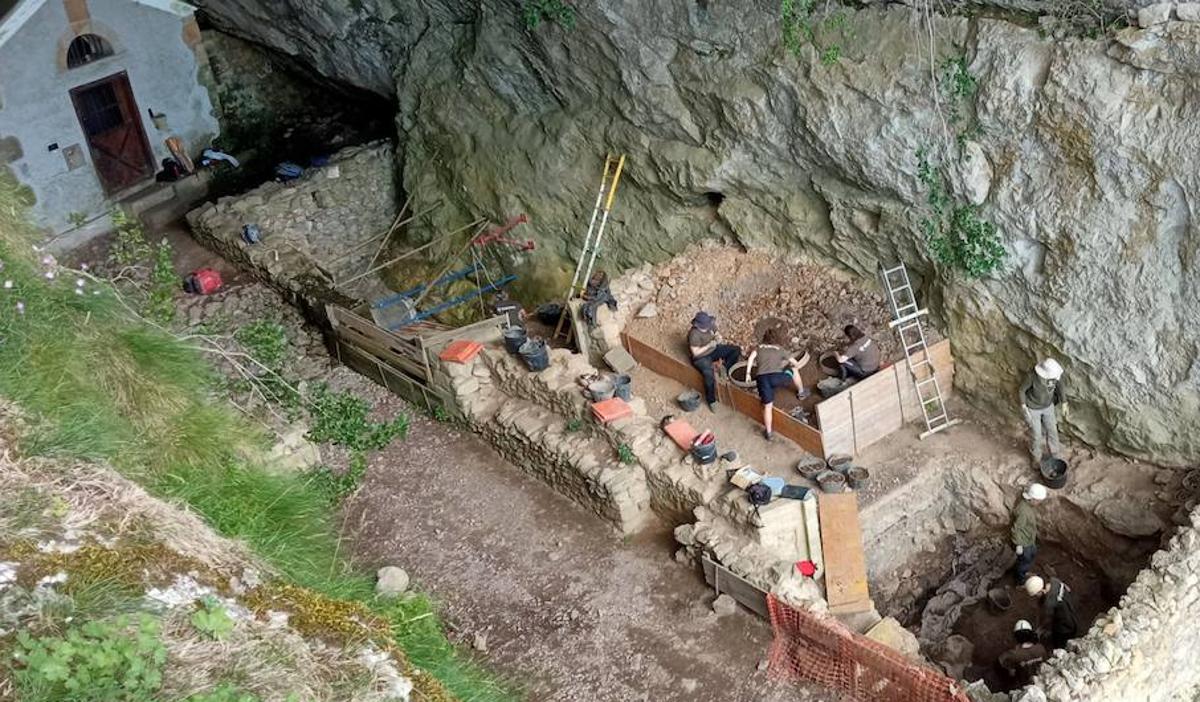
(803, 25)
(534, 12)
(957, 236)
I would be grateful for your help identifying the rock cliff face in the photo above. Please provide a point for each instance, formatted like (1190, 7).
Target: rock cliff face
(1084, 160)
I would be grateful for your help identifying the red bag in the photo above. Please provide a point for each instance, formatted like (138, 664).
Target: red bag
(204, 281)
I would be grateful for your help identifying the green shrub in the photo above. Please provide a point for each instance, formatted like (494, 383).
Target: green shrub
(957, 236)
(227, 693)
(340, 418)
(129, 245)
(803, 23)
(625, 454)
(115, 660)
(160, 298)
(266, 341)
(534, 12)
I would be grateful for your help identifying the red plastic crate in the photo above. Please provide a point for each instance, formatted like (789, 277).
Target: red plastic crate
(608, 411)
(460, 351)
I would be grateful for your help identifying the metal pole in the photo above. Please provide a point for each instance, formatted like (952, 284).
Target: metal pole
(405, 255)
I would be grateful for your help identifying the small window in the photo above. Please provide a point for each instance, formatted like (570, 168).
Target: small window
(86, 48)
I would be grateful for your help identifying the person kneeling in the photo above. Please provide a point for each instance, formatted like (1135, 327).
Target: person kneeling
(772, 368)
(860, 358)
(1021, 661)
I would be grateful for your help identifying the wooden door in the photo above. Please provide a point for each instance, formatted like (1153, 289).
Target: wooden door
(112, 125)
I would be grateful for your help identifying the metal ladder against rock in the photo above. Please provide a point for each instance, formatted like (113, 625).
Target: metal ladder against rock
(613, 166)
(906, 320)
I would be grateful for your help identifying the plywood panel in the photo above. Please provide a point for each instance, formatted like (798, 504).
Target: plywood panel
(722, 579)
(841, 545)
(744, 402)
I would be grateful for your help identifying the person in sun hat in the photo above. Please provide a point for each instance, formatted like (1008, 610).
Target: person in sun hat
(1043, 391)
(1057, 616)
(704, 343)
(1020, 662)
(1024, 528)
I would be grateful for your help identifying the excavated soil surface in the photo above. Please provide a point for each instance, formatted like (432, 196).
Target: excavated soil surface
(741, 288)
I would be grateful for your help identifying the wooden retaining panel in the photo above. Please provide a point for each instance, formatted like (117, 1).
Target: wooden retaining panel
(841, 545)
(873, 408)
(744, 402)
(726, 581)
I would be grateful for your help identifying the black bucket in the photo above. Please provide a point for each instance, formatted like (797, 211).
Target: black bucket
(857, 476)
(829, 364)
(535, 355)
(549, 313)
(623, 387)
(514, 338)
(705, 453)
(1054, 472)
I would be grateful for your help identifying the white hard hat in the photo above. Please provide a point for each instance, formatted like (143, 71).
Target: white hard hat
(1034, 585)
(1035, 491)
(1049, 369)
(1022, 625)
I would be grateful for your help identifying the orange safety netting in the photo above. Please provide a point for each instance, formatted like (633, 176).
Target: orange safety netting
(825, 652)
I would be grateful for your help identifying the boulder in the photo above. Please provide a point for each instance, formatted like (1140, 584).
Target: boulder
(890, 633)
(1188, 11)
(1128, 518)
(1151, 15)
(724, 605)
(391, 581)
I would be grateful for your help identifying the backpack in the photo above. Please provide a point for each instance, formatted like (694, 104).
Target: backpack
(759, 494)
(202, 282)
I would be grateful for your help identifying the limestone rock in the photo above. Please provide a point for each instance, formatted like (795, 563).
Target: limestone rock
(480, 643)
(650, 310)
(391, 581)
(1129, 518)
(1188, 11)
(890, 633)
(1151, 15)
(724, 605)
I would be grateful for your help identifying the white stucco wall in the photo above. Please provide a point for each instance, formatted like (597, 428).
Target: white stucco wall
(36, 107)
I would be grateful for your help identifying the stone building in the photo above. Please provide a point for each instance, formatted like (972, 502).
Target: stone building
(90, 90)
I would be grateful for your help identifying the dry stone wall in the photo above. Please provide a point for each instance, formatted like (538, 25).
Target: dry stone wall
(316, 230)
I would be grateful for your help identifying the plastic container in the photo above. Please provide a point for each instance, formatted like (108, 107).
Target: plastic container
(810, 467)
(857, 477)
(535, 355)
(705, 453)
(737, 375)
(689, 400)
(829, 364)
(1054, 472)
(831, 481)
(601, 390)
(623, 387)
(839, 462)
(515, 338)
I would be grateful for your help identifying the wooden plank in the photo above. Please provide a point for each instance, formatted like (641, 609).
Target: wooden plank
(726, 581)
(841, 545)
(744, 402)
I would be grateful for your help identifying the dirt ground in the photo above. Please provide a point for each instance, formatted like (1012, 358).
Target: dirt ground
(569, 610)
(742, 288)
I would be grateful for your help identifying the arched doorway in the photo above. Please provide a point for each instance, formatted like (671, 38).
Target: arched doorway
(112, 125)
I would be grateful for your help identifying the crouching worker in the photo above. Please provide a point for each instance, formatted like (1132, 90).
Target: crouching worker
(704, 344)
(772, 367)
(1057, 615)
(1020, 662)
(860, 358)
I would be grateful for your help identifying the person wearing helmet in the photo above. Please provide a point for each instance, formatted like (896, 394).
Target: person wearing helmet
(1024, 529)
(1020, 662)
(706, 348)
(1057, 616)
(1043, 391)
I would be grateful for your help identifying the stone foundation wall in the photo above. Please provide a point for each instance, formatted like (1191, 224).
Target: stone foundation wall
(316, 230)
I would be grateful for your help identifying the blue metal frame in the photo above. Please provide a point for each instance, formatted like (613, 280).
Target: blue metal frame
(384, 303)
(452, 302)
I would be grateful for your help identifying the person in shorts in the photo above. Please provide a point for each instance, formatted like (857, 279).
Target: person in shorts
(772, 367)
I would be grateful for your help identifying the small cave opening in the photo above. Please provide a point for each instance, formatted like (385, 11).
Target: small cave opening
(958, 593)
(714, 199)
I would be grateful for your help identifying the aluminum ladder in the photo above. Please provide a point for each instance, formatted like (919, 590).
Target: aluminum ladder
(613, 167)
(906, 320)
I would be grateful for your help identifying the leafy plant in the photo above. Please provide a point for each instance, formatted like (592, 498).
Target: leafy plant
(957, 236)
(117, 659)
(340, 418)
(160, 300)
(804, 24)
(534, 12)
(573, 425)
(440, 413)
(338, 485)
(266, 341)
(211, 619)
(129, 245)
(625, 454)
(225, 692)
(77, 219)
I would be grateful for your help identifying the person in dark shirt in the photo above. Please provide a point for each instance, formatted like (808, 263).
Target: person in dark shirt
(502, 304)
(1057, 616)
(706, 350)
(860, 358)
(1043, 391)
(772, 367)
(1020, 662)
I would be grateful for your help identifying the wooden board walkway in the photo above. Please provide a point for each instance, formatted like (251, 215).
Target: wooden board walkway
(841, 545)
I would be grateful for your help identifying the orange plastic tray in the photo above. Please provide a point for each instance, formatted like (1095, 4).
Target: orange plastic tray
(460, 351)
(607, 411)
(681, 433)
